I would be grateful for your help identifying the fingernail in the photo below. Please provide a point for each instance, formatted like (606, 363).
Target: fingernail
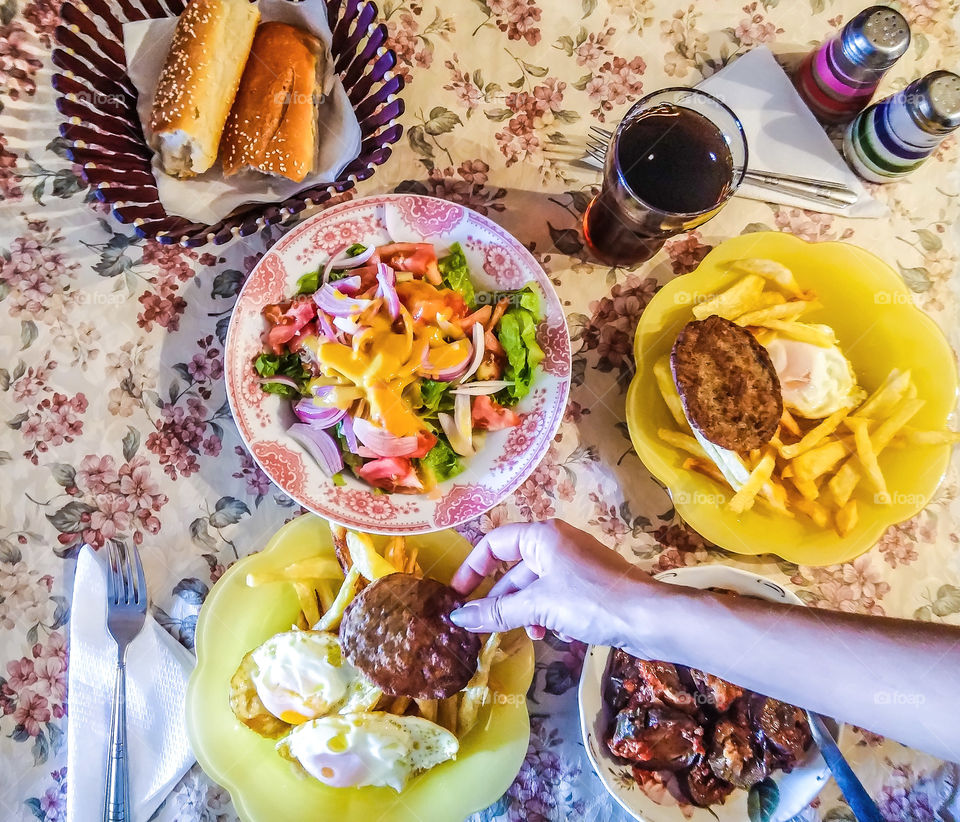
(466, 617)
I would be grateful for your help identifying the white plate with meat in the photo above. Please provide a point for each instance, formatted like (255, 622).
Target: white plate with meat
(683, 725)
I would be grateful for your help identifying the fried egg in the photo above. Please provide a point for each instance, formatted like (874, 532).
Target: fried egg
(815, 381)
(368, 749)
(302, 675)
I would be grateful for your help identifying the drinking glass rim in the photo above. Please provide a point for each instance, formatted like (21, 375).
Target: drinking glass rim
(694, 91)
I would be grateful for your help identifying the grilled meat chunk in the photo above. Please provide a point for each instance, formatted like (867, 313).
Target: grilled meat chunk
(657, 738)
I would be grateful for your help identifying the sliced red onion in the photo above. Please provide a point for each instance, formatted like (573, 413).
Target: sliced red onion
(320, 445)
(478, 349)
(457, 441)
(318, 416)
(335, 302)
(348, 285)
(447, 374)
(347, 325)
(280, 381)
(382, 442)
(346, 429)
(481, 387)
(340, 260)
(388, 289)
(325, 328)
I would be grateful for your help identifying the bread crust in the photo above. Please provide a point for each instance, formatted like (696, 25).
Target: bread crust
(199, 80)
(727, 383)
(273, 124)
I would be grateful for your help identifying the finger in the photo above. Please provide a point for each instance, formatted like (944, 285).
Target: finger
(516, 579)
(496, 613)
(536, 632)
(563, 637)
(508, 543)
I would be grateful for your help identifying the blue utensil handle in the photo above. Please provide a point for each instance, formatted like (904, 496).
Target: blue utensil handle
(116, 805)
(860, 802)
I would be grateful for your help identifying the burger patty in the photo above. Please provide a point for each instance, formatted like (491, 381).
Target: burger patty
(727, 383)
(398, 633)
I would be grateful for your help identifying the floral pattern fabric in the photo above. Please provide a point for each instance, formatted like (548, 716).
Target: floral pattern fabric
(113, 418)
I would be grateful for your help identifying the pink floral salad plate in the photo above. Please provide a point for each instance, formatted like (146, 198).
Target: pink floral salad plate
(778, 798)
(497, 262)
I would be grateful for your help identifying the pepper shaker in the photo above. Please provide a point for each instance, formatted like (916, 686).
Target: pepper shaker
(893, 137)
(837, 79)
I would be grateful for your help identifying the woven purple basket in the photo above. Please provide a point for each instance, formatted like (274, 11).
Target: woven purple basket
(106, 140)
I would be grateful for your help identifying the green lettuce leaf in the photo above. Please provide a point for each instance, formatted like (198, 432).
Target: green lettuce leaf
(308, 283)
(432, 394)
(282, 365)
(456, 274)
(517, 333)
(440, 463)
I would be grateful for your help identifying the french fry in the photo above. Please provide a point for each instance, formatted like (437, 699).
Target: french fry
(398, 705)
(882, 401)
(413, 567)
(682, 441)
(846, 518)
(427, 708)
(744, 498)
(325, 592)
(813, 509)
(395, 553)
(763, 335)
(815, 435)
(815, 334)
(668, 390)
(447, 712)
(817, 461)
(738, 298)
(706, 467)
(844, 483)
(783, 311)
(313, 568)
(808, 489)
(787, 421)
(888, 429)
(914, 436)
(476, 693)
(775, 495)
(773, 272)
(868, 459)
(307, 596)
(339, 534)
(330, 621)
(365, 557)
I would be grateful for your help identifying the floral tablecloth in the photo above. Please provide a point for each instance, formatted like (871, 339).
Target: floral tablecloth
(114, 419)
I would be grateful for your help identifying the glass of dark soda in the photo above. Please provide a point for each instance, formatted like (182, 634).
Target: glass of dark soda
(672, 163)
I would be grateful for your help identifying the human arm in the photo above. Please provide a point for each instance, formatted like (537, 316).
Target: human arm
(896, 677)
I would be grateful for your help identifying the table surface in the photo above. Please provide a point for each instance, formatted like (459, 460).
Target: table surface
(116, 423)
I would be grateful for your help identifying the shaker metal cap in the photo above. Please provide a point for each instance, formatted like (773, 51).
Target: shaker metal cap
(934, 101)
(876, 38)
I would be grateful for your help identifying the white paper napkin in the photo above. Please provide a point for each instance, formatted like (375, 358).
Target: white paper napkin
(210, 196)
(782, 133)
(157, 671)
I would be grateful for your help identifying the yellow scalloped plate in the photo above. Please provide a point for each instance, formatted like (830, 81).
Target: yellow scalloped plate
(879, 328)
(264, 787)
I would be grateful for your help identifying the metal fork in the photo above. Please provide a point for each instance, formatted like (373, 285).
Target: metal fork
(819, 191)
(126, 611)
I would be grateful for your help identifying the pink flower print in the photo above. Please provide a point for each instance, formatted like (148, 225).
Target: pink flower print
(97, 474)
(31, 711)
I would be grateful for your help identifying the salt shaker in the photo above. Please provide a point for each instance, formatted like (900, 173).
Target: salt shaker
(893, 137)
(837, 79)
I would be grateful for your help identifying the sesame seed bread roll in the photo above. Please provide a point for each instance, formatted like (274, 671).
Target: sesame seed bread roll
(199, 81)
(273, 124)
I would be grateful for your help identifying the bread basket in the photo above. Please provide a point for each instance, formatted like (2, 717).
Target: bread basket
(105, 138)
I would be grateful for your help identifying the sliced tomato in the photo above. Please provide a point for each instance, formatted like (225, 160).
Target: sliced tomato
(296, 315)
(417, 258)
(425, 441)
(491, 416)
(392, 474)
(273, 313)
(296, 342)
(491, 343)
(481, 315)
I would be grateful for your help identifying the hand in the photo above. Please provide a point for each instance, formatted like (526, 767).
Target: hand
(563, 580)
